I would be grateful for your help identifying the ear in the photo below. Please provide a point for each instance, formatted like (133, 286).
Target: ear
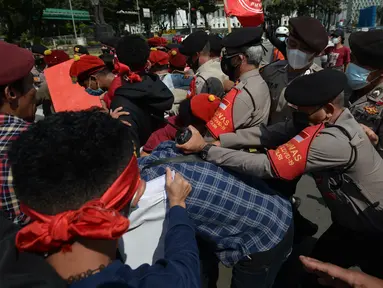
(329, 109)
(10, 94)
(139, 193)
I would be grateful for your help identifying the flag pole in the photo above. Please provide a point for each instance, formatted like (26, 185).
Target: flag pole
(228, 20)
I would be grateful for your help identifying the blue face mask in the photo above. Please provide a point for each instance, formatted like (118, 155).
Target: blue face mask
(357, 76)
(93, 92)
(283, 39)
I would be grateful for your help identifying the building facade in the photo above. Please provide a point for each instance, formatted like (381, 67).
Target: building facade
(353, 7)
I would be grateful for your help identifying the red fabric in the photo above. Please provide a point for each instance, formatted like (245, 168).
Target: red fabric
(157, 42)
(277, 55)
(338, 57)
(96, 219)
(86, 64)
(123, 74)
(289, 160)
(158, 57)
(192, 88)
(222, 122)
(203, 106)
(248, 12)
(166, 133)
(56, 57)
(177, 59)
(16, 63)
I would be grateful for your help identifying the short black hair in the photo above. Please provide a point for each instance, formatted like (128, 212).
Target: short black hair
(186, 115)
(68, 159)
(157, 67)
(133, 51)
(108, 60)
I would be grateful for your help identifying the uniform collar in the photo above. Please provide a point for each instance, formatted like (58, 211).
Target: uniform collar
(248, 74)
(344, 116)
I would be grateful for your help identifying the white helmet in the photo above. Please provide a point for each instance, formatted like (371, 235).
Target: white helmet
(282, 31)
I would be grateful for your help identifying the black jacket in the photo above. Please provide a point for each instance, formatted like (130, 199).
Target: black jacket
(151, 96)
(23, 269)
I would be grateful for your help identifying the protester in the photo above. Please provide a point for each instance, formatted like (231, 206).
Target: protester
(159, 62)
(196, 111)
(17, 109)
(336, 151)
(158, 43)
(109, 45)
(80, 50)
(242, 224)
(308, 38)
(140, 98)
(177, 61)
(248, 102)
(338, 55)
(78, 217)
(365, 77)
(204, 59)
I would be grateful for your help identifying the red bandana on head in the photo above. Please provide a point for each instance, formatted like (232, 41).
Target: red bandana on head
(96, 219)
(122, 72)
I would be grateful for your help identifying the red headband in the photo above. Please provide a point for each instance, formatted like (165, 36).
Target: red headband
(96, 219)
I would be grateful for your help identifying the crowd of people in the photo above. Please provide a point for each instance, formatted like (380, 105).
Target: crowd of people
(192, 159)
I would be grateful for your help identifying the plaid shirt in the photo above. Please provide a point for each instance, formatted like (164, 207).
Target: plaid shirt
(10, 128)
(238, 217)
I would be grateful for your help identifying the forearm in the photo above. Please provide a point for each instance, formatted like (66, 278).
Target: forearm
(260, 136)
(242, 162)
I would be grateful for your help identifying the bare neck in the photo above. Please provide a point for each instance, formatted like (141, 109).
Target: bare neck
(339, 45)
(7, 109)
(87, 255)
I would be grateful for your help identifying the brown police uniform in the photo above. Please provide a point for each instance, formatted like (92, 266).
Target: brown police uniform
(367, 48)
(247, 104)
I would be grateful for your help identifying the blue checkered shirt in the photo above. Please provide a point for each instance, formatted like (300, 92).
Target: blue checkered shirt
(242, 219)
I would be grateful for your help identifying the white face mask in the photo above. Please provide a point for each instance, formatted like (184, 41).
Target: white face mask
(298, 59)
(335, 40)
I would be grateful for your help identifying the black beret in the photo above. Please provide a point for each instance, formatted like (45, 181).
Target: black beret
(316, 89)
(194, 43)
(80, 49)
(215, 42)
(242, 38)
(310, 31)
(338, 33)
(367, 48)
(16, 63)
(39, 49)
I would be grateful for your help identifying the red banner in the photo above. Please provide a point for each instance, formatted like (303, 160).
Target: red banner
(248, 12)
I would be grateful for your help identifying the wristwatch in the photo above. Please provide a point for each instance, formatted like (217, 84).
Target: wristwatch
(205, 151)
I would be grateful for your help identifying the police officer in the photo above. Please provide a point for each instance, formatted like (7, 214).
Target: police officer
(39, 52)
(336, 151)
(307, 39)
(203, 52)
(247, 104)
(365, 77)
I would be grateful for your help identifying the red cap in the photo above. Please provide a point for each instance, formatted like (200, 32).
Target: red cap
(55, 57)
(16, 63)
(85, 66)
(157, 42)
(203, 106)
(177, 59)
(158, 57)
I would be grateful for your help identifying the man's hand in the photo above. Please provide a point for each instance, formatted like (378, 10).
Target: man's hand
(335, 276)
(117, 113)
(371, 134)
(195, 144)
(177, 189)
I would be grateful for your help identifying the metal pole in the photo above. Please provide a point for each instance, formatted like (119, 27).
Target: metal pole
(139, 15)
(74, 24)
(228, 20)
(189, 4)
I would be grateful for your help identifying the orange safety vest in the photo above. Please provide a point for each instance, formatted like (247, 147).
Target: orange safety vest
(289, 160)
(277, 55)
(222, 121)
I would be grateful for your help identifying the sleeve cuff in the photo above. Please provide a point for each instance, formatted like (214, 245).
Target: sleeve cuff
(228, 140)
(179, 216)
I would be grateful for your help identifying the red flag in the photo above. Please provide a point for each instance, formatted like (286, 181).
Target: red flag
(248, 12)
